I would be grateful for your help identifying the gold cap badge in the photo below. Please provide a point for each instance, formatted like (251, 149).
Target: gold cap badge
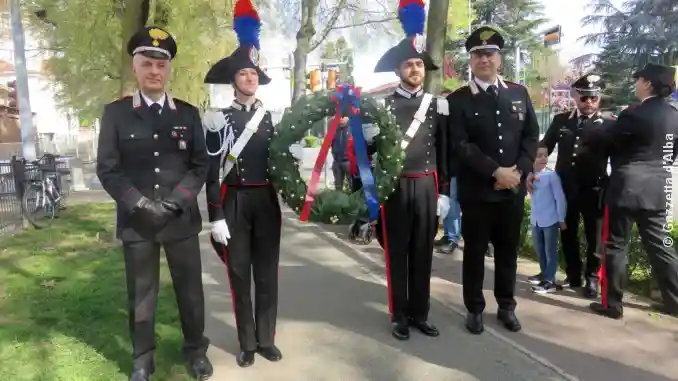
(157, 34)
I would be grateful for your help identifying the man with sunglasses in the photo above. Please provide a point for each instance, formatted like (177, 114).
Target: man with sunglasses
(583, 171)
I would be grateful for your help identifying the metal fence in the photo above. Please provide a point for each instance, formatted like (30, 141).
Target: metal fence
(13, 175)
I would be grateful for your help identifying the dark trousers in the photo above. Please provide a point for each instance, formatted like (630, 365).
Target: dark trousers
(661, 252)
(481, 223)
(584, 203)
(254, 219)
(341, 174)
(406, 229)
(142, 270)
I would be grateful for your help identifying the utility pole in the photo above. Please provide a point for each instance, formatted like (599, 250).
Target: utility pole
(28, 131)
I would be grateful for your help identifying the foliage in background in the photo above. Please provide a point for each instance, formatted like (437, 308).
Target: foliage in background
(87, 65)
(638, 32)
(639, 270)
(339, 51)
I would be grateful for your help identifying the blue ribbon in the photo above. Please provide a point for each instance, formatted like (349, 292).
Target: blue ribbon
(349, 102)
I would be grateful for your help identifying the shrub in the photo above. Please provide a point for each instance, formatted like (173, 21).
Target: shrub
(639, 270)
(310, 141)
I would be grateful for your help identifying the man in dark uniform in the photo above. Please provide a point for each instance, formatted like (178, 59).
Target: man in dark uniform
(643, 144)
(582, 168)
(152, 161)
(243, 201)
(494, 133)
(408, 222)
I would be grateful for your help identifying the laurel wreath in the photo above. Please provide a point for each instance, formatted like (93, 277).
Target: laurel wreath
(332, 206)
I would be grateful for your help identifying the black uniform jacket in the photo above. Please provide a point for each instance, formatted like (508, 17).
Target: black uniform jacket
(251, 167)
(428, 150)
(643, 145)
(142, 155)
(486, 134)
(582, 160)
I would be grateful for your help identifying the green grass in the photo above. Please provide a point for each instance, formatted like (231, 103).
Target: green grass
(63, 304)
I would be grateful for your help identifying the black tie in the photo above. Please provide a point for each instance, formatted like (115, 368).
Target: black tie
(492, 90)
(155, 110)
(582, 120)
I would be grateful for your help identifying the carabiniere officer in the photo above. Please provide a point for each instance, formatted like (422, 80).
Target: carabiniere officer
(494, 133)
(152, 161)
(582, 167)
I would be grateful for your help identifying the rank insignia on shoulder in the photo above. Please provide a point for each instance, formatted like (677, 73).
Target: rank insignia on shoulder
(442, 106)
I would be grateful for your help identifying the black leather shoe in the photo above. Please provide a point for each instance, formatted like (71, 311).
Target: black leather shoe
(140, 375)
(474, 323)
(271, 353)
(612, 313)
(425, 327)
(590, 291)
(245, 358)
(509, 320)
(400, 331)
(200, 368)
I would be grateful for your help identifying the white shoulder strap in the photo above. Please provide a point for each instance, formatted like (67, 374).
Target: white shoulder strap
(419, 118)
(250, 128)
(442, 106)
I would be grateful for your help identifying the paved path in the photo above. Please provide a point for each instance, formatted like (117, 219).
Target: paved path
(333, 325)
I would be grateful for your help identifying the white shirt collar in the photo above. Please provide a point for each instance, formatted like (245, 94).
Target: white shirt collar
(150, 102)
(484, 85)
(646, 98)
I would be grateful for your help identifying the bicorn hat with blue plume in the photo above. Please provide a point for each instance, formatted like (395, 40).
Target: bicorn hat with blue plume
(247, 26)
(412, 16)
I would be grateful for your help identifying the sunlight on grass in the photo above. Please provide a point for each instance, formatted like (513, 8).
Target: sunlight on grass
(63, 304)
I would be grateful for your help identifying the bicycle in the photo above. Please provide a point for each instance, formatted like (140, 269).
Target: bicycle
(43, 192)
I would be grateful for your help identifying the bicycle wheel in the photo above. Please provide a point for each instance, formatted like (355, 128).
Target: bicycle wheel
(38, 208)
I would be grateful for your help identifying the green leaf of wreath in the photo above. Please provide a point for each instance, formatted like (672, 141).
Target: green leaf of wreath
(332, 206)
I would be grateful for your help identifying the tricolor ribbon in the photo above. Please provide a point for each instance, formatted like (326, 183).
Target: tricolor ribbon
(318, 167)
(347, 100)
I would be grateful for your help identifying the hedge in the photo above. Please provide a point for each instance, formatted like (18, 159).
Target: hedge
(639, 270)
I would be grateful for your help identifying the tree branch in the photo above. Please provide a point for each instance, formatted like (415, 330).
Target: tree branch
(368, 22)
(330, 24)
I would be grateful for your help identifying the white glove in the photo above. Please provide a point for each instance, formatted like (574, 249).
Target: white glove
(297, 151)
(370, 131)
(443, 206)
(213, 120)
(220, 232)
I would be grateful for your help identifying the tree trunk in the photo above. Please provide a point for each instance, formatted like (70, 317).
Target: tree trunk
(436, 29)
(304, 36)
(131, 23)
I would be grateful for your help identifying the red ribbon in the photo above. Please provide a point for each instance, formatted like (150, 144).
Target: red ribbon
(602, 273)
(319, 163)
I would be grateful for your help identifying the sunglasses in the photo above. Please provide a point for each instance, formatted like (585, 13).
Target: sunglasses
(586, 98)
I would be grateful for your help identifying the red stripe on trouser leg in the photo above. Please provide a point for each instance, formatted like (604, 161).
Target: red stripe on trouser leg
(387, 259)
(222, 252)
(602, 271)
(435, 176)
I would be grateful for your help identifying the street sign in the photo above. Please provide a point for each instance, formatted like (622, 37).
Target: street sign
(552, 36)
(521, 77)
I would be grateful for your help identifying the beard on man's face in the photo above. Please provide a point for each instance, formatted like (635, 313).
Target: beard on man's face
(413, 80)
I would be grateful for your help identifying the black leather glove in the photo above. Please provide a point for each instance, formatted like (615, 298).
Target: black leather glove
(152, 212)
(172, 207)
